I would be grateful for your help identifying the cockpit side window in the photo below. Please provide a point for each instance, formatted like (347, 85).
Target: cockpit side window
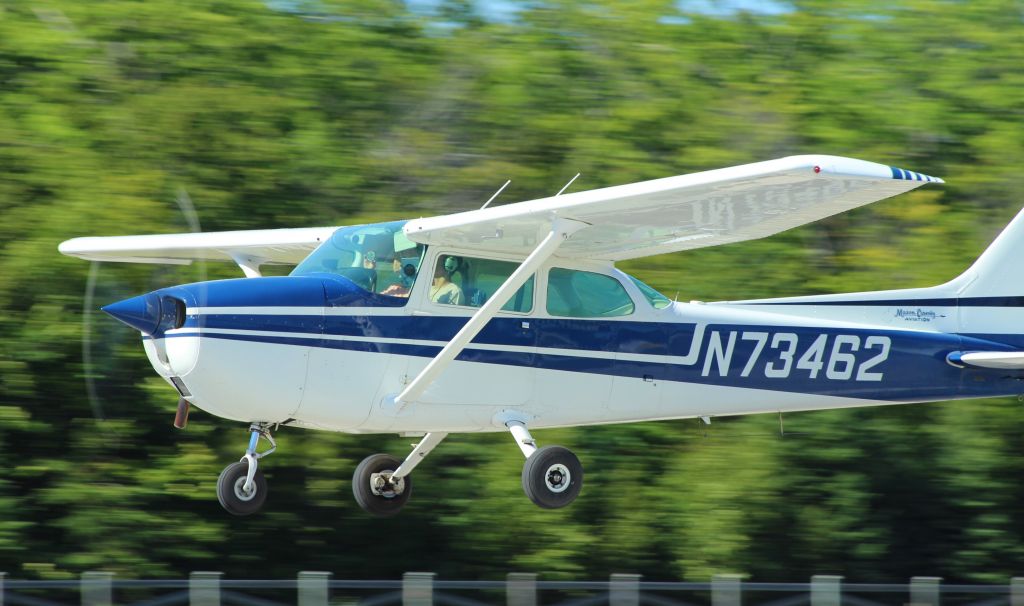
(377, 258)
(584, 294)
(471, 281)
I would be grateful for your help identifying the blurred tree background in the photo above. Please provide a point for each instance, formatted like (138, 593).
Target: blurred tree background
(288, 113)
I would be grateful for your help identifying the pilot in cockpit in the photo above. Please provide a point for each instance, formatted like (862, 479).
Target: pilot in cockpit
(405, 274)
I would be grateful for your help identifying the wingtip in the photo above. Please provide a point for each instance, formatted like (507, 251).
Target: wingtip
(67, 247)
(909, 175)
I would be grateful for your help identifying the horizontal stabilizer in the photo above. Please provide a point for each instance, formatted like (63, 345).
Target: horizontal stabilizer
(1001, 360)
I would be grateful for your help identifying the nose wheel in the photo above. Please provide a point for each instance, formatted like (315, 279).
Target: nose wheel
(233, 495)
(241, 487)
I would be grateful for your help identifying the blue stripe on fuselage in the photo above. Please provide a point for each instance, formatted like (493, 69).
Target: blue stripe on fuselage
(655, 338)
(945, 302)
(915, 368)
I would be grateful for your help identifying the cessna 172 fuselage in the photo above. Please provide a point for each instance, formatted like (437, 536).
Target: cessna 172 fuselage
(515, 318)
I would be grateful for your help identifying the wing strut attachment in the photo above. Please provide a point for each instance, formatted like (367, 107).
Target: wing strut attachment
(249, 264)
(561, 229)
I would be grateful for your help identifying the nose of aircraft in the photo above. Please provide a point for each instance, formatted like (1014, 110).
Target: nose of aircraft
(141, 313)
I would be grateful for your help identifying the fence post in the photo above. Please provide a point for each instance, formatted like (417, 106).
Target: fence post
(1016, 591)
(204, 588)
(418, 589)
(96, 588)
(826, 590)
(726, 590)
(924, 591)
(624, 590)
(314, 588)
(521, 589)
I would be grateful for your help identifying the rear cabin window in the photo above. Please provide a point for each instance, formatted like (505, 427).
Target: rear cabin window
(584, 294)
(471, 282)
(655, 298)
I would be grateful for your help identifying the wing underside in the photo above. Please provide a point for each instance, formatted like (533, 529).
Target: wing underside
(678, 213)
(254, 247)
(623, 222)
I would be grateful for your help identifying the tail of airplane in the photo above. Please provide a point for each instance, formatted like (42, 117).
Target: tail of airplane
(987, 300)
(999, 271)
(984, 305)
(990, 299)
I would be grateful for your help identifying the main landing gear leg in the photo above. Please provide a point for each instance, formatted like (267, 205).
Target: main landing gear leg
(241, 488)
(381, 483)
(552, 475)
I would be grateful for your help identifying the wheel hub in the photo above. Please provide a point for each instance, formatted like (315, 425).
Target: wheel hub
(557, 478)
(240, 491)
(382, 485)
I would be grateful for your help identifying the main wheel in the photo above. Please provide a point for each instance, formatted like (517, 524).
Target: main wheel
(231, 493)
(552, 477)
(373, 489)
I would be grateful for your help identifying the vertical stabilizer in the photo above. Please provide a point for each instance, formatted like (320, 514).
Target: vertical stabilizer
(999, 271)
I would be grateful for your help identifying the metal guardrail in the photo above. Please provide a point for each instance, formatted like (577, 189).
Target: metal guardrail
(519, 589)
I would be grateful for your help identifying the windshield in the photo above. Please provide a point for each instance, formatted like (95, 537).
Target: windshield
(378, 258)
(655, 298)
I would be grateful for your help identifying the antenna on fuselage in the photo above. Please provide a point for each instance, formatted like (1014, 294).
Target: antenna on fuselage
(491, 199)
(567, 185)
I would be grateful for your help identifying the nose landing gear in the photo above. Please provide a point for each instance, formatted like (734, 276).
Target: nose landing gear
(241, 487)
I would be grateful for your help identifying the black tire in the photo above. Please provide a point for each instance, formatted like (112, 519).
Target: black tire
(552, 477)
(230, 494)
(380, 505)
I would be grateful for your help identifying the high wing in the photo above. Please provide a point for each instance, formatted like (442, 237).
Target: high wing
(678, 213)
(622, 222)
(249, 249)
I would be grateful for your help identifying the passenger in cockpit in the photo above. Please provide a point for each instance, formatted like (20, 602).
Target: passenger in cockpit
(443, 290)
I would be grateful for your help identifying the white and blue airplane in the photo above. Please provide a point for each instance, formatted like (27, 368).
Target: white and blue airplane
(513, 318)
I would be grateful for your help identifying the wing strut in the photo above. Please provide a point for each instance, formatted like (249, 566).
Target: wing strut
(561, 229)
(249, 264)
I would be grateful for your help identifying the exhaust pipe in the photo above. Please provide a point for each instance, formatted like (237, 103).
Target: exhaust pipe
(181, 417)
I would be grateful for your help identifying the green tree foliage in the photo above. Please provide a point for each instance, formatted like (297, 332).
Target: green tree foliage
(295, 113)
